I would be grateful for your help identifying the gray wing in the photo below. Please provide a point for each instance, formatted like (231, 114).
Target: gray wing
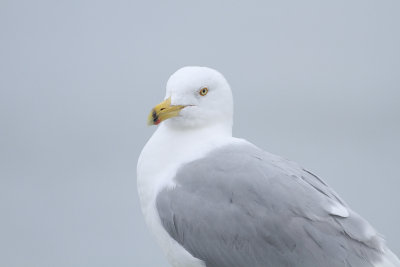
(241, 206)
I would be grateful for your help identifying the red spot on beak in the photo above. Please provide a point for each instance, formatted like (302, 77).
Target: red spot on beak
(157, 122)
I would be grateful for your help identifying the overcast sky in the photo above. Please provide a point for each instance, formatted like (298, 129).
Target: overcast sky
(317, 82)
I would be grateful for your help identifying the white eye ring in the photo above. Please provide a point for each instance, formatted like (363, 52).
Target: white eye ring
(203, 91)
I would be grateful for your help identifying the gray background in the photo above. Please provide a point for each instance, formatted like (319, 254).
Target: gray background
(314, 81)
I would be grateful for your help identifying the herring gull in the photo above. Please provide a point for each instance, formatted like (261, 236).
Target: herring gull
(218, 201)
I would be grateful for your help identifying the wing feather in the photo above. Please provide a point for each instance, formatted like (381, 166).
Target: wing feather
(241, 206)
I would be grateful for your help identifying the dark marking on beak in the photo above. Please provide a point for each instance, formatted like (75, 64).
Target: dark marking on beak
(154, 115)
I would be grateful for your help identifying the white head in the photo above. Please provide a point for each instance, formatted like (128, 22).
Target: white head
(196, 97)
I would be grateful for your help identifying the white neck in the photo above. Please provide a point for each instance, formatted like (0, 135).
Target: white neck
(168, 149)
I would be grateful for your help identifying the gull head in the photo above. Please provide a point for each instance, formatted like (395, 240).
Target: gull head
(195, 97)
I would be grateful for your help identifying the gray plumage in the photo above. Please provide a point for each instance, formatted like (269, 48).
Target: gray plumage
(240, 207)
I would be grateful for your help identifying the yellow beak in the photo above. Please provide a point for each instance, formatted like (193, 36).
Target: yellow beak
(163, 111)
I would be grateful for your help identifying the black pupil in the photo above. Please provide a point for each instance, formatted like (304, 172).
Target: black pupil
(204, 91)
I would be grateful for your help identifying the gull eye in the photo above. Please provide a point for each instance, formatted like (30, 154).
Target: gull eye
(203, 91)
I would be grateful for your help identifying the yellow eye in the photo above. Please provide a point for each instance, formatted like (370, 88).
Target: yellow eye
(203, 91)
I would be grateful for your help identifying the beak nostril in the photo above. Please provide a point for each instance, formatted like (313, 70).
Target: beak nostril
(162, 108)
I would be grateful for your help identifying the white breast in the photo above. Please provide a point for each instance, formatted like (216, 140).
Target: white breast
(161, 157)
